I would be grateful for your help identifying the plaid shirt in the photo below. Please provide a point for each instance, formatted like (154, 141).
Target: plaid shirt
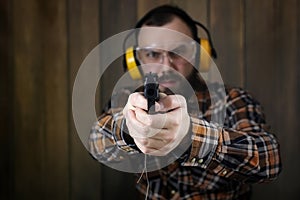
(221, 162)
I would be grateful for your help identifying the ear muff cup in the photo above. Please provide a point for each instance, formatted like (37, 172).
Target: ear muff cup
(132, 65)
(205, 52)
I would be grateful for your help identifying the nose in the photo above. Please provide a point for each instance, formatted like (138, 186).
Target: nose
(166, 59)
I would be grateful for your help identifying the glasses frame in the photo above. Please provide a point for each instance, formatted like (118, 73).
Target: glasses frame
(168, 53)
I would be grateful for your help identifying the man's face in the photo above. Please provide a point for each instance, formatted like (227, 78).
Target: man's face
(169, 51)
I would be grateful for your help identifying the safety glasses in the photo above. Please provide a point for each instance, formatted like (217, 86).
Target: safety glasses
(179, 53)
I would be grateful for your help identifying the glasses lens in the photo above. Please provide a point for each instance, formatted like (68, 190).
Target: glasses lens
(180, 52)
(183, 51)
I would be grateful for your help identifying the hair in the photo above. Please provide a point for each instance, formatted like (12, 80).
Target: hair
(164, 14)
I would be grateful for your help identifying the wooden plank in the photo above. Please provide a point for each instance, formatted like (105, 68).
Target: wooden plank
(55, 73)
(283, 75)
(198, 10)
(261, 75)
(6, 105)
(143, 6)
(83, 34)
(124, 18)
(29, 113)
(41, 126)
(226, 25)
(260, 48)
(288, 96)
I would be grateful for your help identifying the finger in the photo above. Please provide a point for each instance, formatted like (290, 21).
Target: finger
(137, 128)
(153, 147)
(146, 150)
(160, 144)
(171, 102)
(162, 95)
(138, 100)
(151, 143)
(165, 136)
(134, 126)
(156, 121)
(157, 105)
(127, 108)
(160, 121)
(164, 150)
(167, 120)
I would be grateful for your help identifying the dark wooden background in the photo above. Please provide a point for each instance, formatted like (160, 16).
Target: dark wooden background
(43, 43)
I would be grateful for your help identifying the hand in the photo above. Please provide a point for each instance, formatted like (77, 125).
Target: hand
(157, 134)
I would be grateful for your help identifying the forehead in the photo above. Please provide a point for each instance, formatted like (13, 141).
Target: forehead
(173, 32)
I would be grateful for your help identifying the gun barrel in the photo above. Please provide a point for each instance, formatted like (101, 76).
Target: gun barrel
(151, 91)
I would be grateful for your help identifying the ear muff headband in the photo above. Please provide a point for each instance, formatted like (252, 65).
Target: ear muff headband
(203, 60)
(133, 68)
(132, 64)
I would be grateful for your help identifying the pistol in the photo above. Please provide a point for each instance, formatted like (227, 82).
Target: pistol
(151, 91)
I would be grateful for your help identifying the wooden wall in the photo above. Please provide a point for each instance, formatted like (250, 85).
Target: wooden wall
(43, 43)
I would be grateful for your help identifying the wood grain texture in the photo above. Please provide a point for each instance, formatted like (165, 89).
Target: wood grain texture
(40, 104)
(83, 37)
(277, 84)
(29, 112)
(143, 6)
(44, 43)
(6, 104)
(115, 17)
(261, 78)
(226, 24)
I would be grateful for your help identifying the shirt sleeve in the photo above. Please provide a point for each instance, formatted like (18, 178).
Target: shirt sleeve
(109, 140)
(244, 151)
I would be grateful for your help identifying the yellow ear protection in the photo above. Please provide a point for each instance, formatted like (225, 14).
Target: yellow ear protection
(206, 45)
(203, 59)
(131, 64)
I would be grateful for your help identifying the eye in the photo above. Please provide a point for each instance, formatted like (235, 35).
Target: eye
(180, 50)
(152, 54)
(183, 51)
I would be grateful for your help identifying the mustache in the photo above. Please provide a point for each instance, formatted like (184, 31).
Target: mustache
(169, 76)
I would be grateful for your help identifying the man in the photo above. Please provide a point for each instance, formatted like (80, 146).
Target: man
(212, 161)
